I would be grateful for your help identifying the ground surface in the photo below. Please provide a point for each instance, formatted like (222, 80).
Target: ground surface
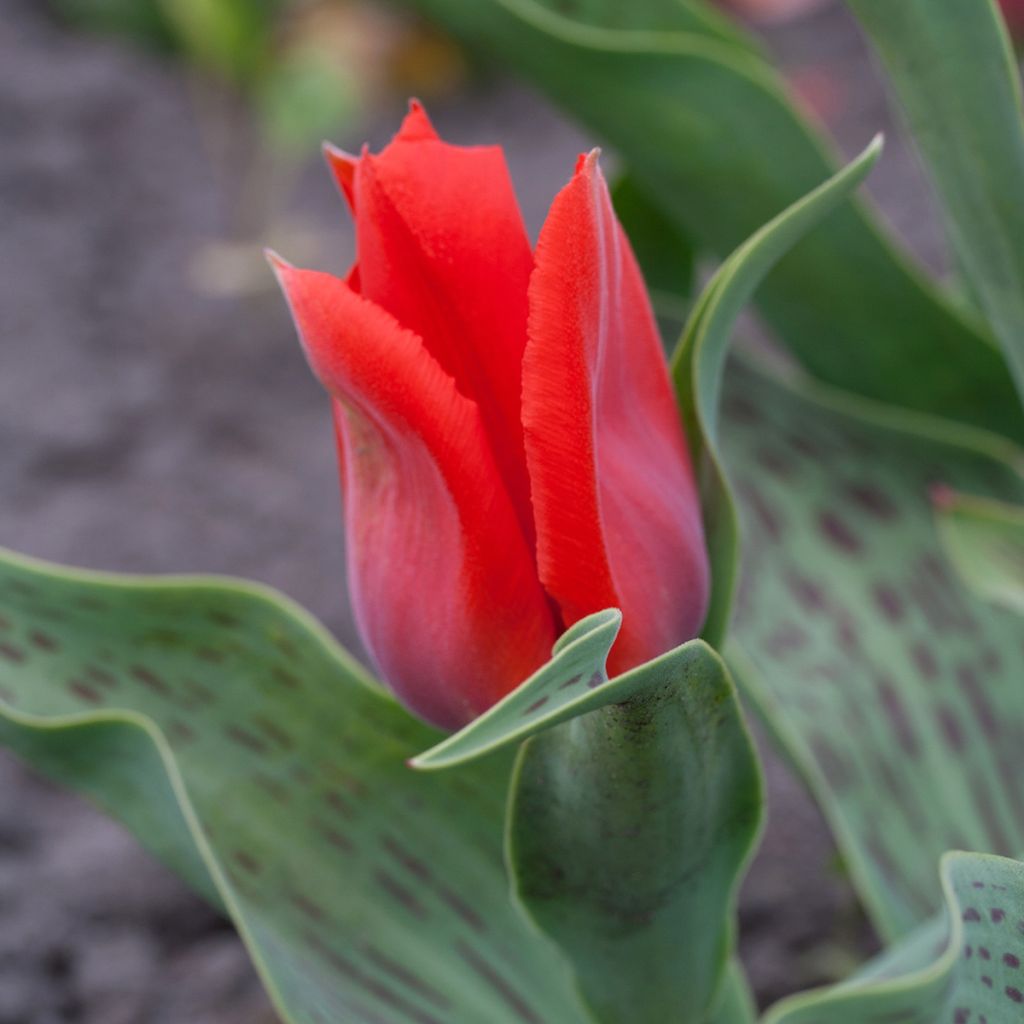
(146, 427)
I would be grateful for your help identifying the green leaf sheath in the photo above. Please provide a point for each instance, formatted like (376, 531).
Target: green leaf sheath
(965, 969)
(632, 813)
(984, 540)
(629, 829)
(893, 687)
(230, 733)
(953, 70)
(708, 131)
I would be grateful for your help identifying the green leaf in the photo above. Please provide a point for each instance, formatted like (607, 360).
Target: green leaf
(699, 362)
(241, 744)
(953, 69)
(894, 689)
(629, 829)
(664, 252)
(985, 542)
(964, 970)
(629, 824)
(706, 128)
(572, 683)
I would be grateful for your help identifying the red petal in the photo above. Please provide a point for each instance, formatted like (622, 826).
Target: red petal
(443, 584)
(343, 166)
(618, 518)
(443, 249)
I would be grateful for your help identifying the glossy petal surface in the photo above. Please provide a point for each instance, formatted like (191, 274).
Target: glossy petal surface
(617, 514)
(443, 249)
(443, 582)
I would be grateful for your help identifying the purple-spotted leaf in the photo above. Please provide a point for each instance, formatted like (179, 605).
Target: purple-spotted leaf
(894, 687)
(965, 968)
(241, 744)
(985, 542)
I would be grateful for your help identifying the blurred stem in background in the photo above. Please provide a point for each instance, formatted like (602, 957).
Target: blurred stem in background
(270, 79)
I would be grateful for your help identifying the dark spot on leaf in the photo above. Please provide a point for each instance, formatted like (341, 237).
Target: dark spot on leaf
(838, 533)
(244, 738)
(402, 894)
(11, 653)
(42, 640)
(83, 691)
(150, 680)
(504, 989)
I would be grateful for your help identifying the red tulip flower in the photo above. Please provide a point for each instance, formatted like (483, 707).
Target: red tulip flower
(512, 456)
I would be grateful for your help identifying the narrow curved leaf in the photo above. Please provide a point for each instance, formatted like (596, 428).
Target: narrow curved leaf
(694, 116)
(629, 829)
(985, 542)
(954, 72)
(965, 970)
(699, 363)
(572, 683)
(240, 743)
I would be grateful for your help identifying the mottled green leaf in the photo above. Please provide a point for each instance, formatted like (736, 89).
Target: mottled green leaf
(629, 829)
(954, 72)
(985, 542)
(965, 969)
(894, 688)
(241, 744)
(706, 127)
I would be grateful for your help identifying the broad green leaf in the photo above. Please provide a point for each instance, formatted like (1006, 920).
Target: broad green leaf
(893, 687)
(629, 829)
(241, 744)
(985, 542)
(630, 823)
(952, 67)
(965, 970)
(706, 128)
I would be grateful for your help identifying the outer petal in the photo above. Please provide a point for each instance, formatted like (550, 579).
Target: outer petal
(617, 513)
(443, 583)
(443, 249)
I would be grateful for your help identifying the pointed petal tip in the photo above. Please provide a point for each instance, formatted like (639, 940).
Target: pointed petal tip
(336, 155)
(586, 162)
(416, 126)
(277, 262)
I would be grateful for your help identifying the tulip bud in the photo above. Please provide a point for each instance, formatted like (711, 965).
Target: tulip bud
(511, 454)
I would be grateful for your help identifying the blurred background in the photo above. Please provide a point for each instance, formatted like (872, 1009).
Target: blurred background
(156, 414)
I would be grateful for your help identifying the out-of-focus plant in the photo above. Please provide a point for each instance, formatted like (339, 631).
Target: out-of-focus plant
(271, 79)
(571, 853)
